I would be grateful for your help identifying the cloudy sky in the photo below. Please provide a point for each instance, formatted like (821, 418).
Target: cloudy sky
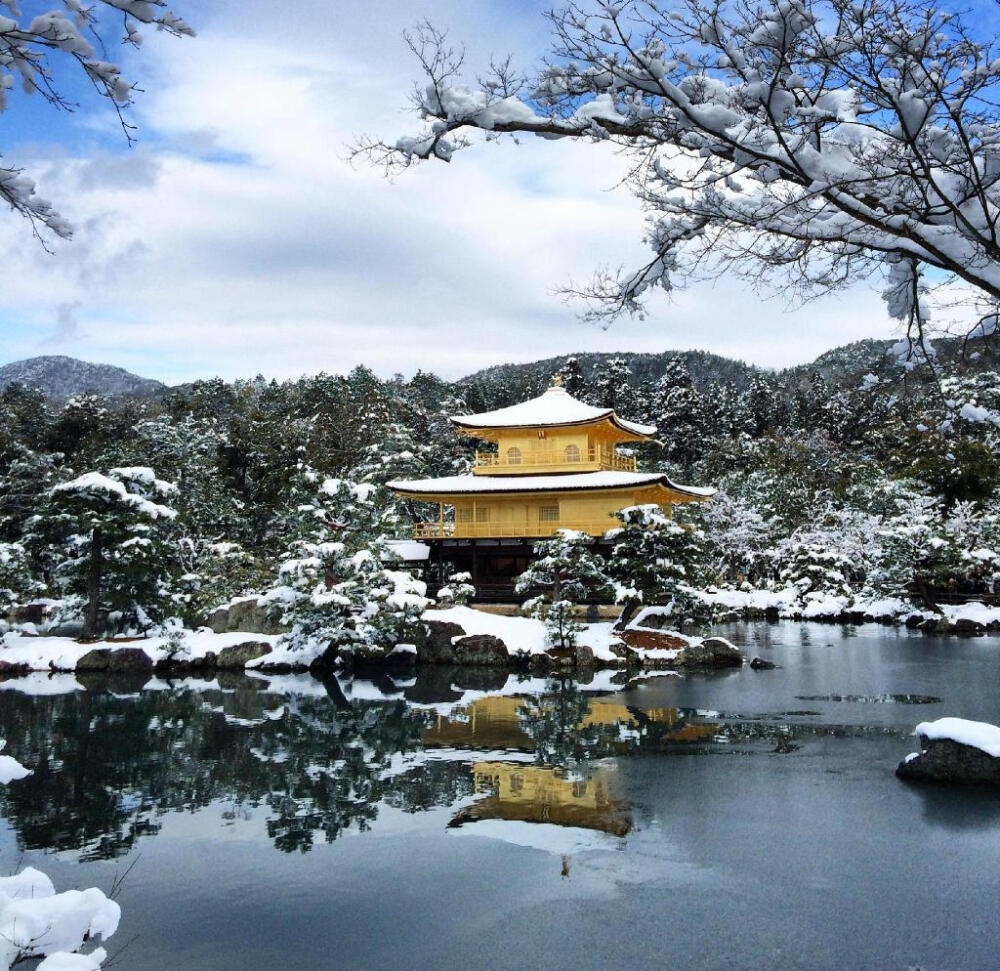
(234, 238)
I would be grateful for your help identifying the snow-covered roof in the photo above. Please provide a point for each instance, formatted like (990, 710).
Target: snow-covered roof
(555, 407)
(461, 484)
(409, 550)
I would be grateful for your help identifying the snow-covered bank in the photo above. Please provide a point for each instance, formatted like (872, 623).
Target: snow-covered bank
(461, 636)
(35, 921)
(788, 603)
(21, 653)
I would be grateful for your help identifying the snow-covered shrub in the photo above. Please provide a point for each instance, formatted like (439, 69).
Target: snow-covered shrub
(336, 587)
(457, 592)
(17, 582)
(917, 553)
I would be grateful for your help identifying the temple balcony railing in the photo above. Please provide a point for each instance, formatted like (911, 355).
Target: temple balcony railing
(513, 461)
(525, 530)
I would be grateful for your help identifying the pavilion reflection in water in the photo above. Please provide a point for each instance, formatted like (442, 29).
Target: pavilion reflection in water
(583, 794)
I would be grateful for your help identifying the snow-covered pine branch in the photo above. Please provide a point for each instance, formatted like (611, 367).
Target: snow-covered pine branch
(812, 141)
(32, 50)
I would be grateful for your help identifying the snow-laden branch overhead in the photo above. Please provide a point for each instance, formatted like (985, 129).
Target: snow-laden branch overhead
(33, 47)
(824, 139)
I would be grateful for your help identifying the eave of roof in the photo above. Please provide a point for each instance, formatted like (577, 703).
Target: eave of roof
(458, 485)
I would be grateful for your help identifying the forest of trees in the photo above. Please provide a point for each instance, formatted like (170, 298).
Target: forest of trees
(159, 509)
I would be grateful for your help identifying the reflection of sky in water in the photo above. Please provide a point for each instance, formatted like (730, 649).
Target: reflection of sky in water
(292, 823)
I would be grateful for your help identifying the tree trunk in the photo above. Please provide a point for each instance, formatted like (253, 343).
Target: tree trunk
(926, 595)
(630, 609)
(93, 586)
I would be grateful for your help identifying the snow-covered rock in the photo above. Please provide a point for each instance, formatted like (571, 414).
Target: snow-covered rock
(955, 751)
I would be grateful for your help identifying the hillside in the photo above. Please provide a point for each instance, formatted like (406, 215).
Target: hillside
(845, 365)
(62, 377)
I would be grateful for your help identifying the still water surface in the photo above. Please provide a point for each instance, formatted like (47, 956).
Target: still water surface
(463, 819)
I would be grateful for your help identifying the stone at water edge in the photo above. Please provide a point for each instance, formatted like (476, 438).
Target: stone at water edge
(476, 649)
(238, 655)
(713, 652)
(437, 647)
(579, 656)
(946, 761)
(98, 659)
(131, 659)
(760, 664)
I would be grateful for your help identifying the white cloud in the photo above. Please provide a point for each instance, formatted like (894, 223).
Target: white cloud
(237, 240)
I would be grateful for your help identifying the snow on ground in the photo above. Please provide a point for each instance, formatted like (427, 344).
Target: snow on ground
(980, 735)
(518, 633)
(62, 653)
(525, 634)
(791, 604)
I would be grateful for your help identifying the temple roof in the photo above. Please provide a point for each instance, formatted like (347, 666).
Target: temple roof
(461, 484)
(555, 407)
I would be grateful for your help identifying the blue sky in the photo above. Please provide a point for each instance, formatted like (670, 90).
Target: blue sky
(233, 239)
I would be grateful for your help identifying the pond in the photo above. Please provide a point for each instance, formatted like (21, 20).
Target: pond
(464, 818)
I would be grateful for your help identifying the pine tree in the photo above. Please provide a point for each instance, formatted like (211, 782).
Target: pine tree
(656, 560)
(680, 414)
(336, 586)
(564, 571)
(612, 388)
(120, 537)
(572, 377)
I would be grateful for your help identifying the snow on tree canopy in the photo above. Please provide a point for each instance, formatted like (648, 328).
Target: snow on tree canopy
(28, 48)
(96, 485)
(817, 139)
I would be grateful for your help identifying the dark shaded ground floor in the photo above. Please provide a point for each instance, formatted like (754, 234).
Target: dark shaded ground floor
(493, 564)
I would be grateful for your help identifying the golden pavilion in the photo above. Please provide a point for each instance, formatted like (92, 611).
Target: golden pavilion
(551, 463)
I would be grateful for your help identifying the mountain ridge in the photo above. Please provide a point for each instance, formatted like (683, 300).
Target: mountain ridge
(60, 377)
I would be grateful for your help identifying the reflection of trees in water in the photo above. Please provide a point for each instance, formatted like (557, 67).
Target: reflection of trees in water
(562, 723)
(106, 767)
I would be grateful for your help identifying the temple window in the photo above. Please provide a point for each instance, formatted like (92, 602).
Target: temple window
(548, 514)
(572, 453)
(514, 456)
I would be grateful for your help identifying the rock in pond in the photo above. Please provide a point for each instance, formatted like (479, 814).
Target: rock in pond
(970, 758)
(481, 649)
(760, 664)
(713, 652)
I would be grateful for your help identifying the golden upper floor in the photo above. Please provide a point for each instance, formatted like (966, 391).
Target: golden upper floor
(550, 434)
